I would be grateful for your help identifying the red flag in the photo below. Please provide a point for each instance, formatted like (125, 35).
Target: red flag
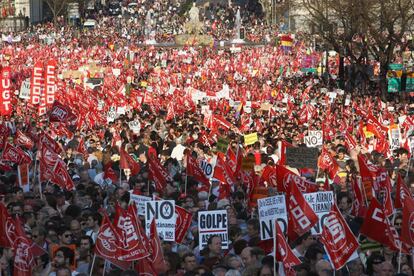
(350, 142)
(109, 173)
(182, 223)
(222, 172)
(285, 176)
(382, 188)
(23, 253)
(158, 173)
(367, 171)
(269, 175)
(15, 155)
(108, 242)
(195, 171)
(358, 204)
(380, 131)
(127, 226)
(282, 151)
(407, 231)
(5, 87)
(284, 253)
(48, 142)
(22, 140)
(157, 256)
(301, 217)
(327, 163)
(401, 193)
(62, 113)
(36, 83)
(377, 227)
(50, 83)
(338, 239)
(127, 162)
(61, 176)
(7, 228)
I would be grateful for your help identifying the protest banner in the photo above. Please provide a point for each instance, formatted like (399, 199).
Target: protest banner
(139, 202)
(250, 139)
(271, 208)
(314, 139)
(163, 211)
(208, 167)
(211, 223)
(302, 157)
(321, 203)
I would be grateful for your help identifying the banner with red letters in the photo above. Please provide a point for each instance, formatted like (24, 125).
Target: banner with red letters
(36, 83)
(5, 86)
(50, 83)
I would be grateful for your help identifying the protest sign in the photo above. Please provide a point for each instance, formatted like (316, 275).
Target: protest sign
(271, 208)
(250, 139)
(208, 167)
(222, 144)
(211, 223)
(23, 176)
(394, 136)
(25, 90)
(321, 203)
(314, 139)
(110, 116)
(139, 202)
(135, 126)
(302, 157)
(163, 211)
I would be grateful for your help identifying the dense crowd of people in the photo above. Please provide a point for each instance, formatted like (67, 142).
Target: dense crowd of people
(170, 104)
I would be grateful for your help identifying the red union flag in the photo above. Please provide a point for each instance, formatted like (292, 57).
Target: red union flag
(132, 246)
(62, 113)
(127, 162)
(49, 143)
(222, 171)
(7, 228)
(107, 243)
(338, 239)
(401, 193)
(284, 253)
(358, 204)
(36, 83)
(182, 223)
(327, 163)
(377, 227)
(50, 84)
(301, 216)
(269, 175)
(15, 155)
(195, 171)
(22, 140)
(350, 142)
(382, 188)
(407, 228)
(23, 253)
(158, 173)
(285, 176)
(5, 86)
(61, 176)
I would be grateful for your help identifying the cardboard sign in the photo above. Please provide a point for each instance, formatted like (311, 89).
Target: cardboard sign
(314, 139)
(250, 139)
(135, 126)
(139, 202)
(208, 167)
(301, 157)
(163, 211)
(271, 208)
(212, 223)
(25, 90)
(23, 176)
(321, 203)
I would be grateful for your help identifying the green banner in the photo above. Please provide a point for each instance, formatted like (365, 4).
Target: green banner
(409, 87)
(309, 70)
(222, 144)
(394, 85)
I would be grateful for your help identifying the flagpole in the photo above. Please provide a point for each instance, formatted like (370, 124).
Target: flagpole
(120, 175)
(93, 263)
(275, 247)
(185, 184)
(104, 269)
(399, 258)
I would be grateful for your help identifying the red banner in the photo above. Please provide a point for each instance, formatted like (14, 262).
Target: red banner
(62, 113)
(5, 86)
(36, 83)
(15, 155)
(182, 223)
(50, 83)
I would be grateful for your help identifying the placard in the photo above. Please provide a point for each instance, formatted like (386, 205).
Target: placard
(394, 136)
(139, 202)
(135, 126)
(211, 223)
(250, 139)
(321, 203)
(271, 208)
(25, 90)
(314, 139)
(163, 211)
(302, 157)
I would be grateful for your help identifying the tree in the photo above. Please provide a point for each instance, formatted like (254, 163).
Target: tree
(363, 29)
(57, 7)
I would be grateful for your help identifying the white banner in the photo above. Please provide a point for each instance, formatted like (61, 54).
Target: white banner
(271, 208)
(314, 139)
(212, 223)
(321, 203)
(163, 211)
(25, 90)
(139, 202)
